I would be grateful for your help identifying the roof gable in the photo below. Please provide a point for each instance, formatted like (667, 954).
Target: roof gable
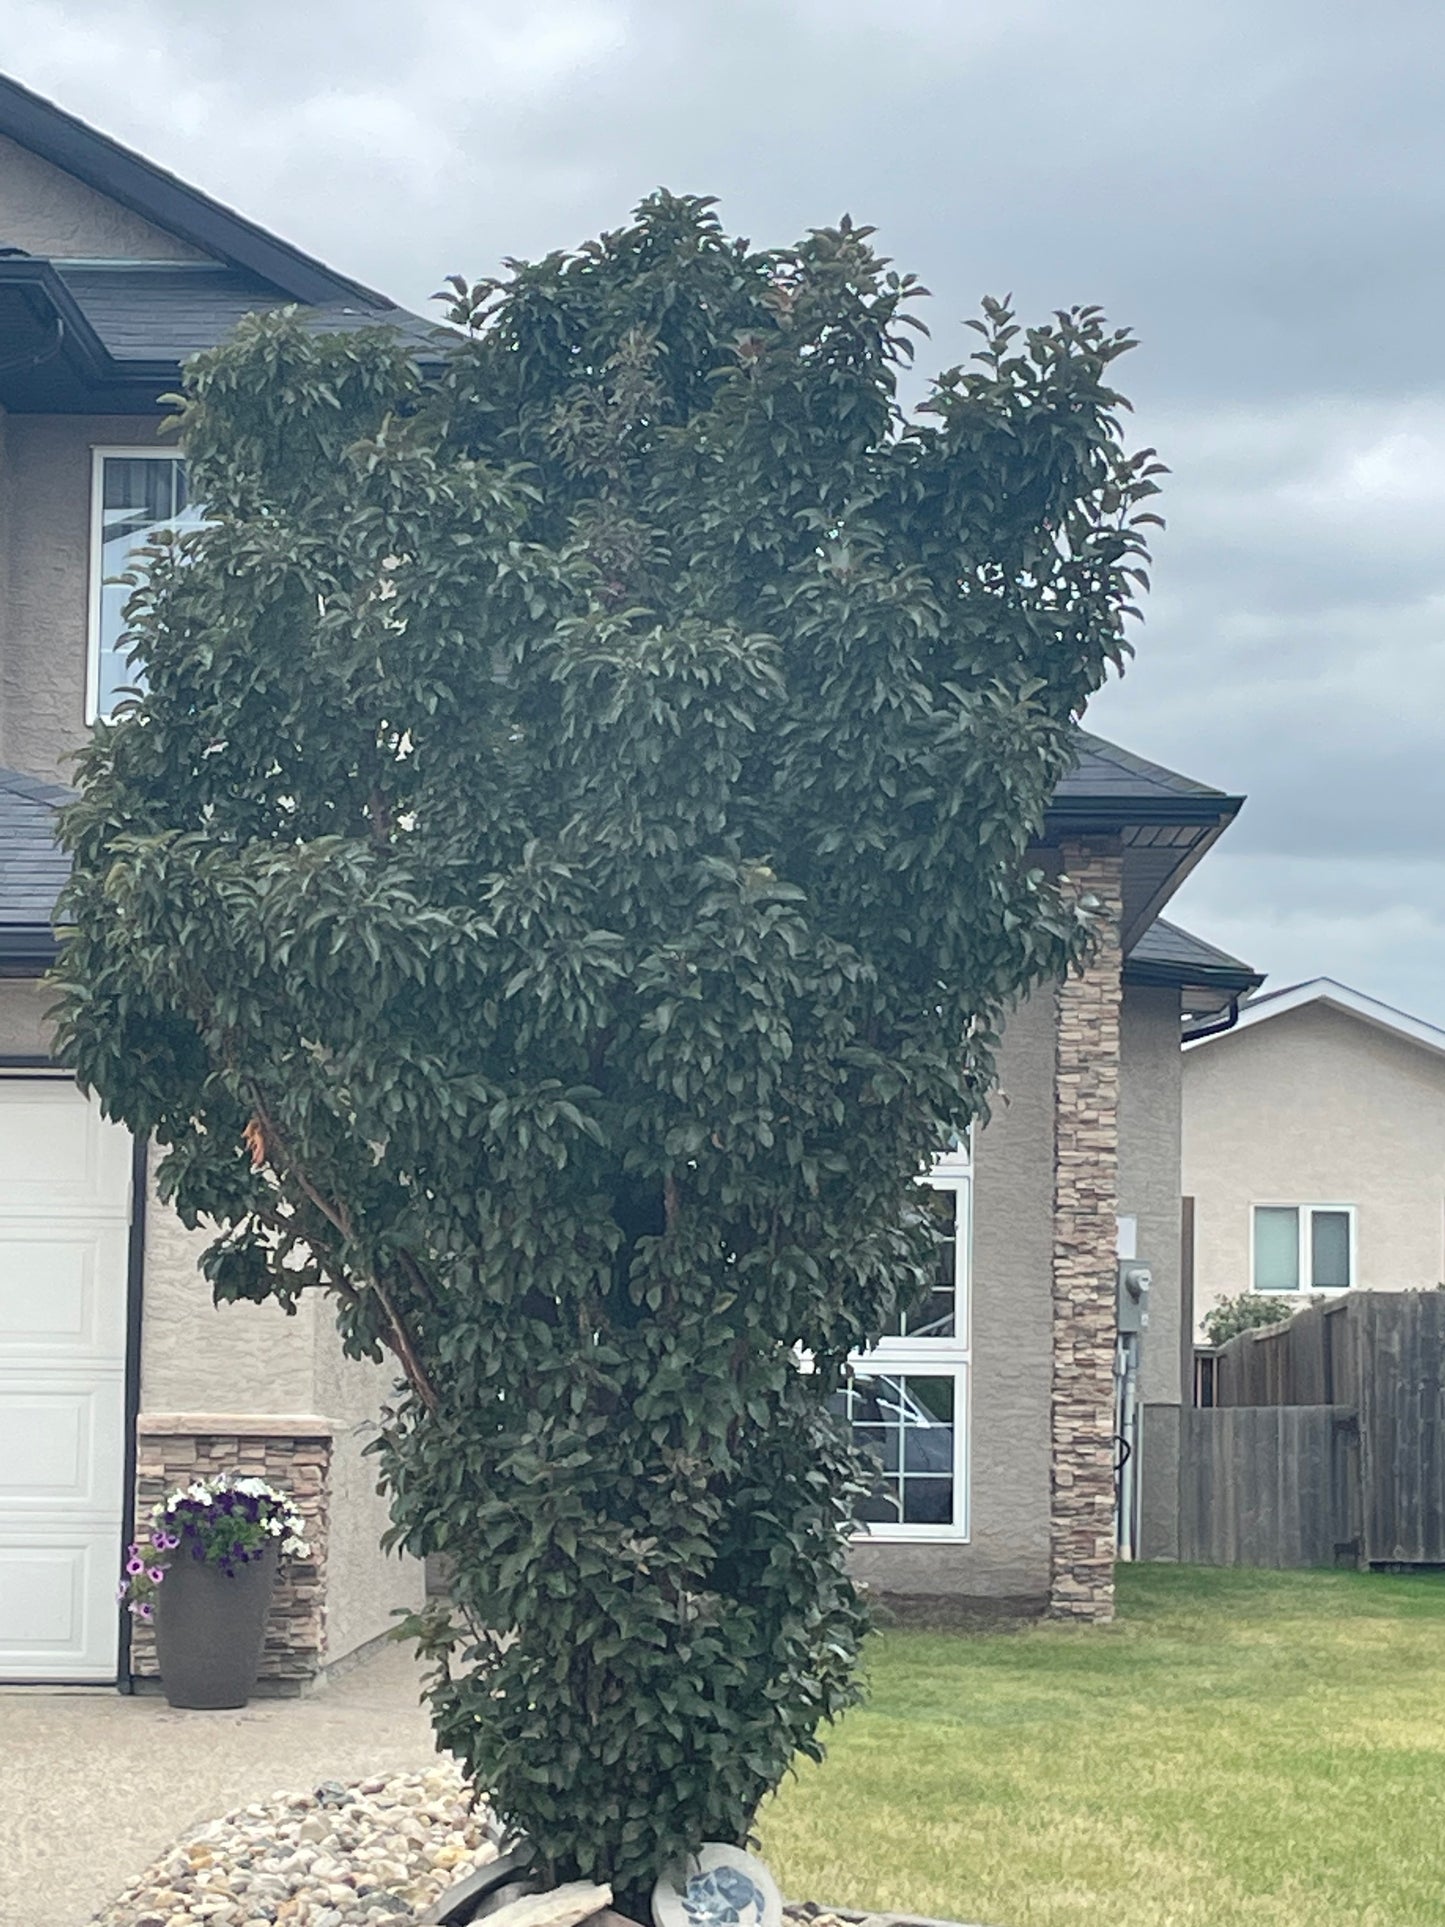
(167, 203)
(45, 211)
(1326, 994)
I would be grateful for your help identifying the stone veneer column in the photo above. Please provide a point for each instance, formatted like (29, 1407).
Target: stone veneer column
(1086, 1145)
(291, 1453)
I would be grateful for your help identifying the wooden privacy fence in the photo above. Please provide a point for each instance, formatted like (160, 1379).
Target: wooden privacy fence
(1324, 1444)
(1269, 1485)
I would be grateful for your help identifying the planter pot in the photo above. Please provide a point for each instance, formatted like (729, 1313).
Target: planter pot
(210, 1627)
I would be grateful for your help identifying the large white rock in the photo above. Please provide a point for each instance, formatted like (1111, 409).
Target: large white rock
(563, 1906)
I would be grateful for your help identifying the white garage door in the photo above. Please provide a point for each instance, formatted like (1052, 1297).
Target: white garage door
(64, 1218)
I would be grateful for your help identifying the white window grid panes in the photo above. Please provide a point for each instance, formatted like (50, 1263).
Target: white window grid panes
(905, 1386)
(1310, 1225)
(118, 528)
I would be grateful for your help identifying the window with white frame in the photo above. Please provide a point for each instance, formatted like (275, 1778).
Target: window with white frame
(907, 1400)
(1303, 1247)
(135, 493)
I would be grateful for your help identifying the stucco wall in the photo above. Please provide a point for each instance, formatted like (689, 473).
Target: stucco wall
(198, 1357)
(1007, 1557)
(1150, 1083)
(363, 1586)
(44, 581)
(46, 211)
(46, 482)
(1316, 1107)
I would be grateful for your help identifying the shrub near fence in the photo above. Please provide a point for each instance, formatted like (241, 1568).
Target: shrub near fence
(1356, 1475)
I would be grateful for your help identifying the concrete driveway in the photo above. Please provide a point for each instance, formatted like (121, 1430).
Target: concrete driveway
(94, 1785)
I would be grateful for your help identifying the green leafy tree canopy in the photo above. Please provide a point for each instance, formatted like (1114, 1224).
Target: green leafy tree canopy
(561, 883)
(1248, 1312)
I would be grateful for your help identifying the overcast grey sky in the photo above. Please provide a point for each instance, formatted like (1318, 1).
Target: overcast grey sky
(1256, 186)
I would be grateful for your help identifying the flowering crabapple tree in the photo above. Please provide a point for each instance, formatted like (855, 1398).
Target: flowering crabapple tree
(562, 881)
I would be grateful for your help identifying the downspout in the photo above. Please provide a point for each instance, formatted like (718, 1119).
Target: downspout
(134, 1298)
(1217, 1028)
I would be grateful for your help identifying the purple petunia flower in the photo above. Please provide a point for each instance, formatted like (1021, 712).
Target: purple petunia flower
(156, 1574)
(144, 1610)
(135, 1567)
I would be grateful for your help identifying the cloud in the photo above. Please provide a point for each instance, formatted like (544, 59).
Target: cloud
(1304, 917)
(1296, 652)
(1256, 189)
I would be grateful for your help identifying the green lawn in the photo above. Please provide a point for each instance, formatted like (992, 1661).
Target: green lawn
(1239, 1748)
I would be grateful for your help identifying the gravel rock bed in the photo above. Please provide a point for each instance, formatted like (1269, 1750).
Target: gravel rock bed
(358, 1853)
(353, 1854)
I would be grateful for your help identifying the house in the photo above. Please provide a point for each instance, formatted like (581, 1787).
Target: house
(117, 1378)
(1078, 1165)
(994, 1412)
(1314, 1148)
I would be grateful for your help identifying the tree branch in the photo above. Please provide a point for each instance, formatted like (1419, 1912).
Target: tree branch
(273, 1142)
(401, 1343)
(337, 1215)
(380, 817)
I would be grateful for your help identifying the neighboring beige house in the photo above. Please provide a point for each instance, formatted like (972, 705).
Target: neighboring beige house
(1314, 1148)
(994, 1414)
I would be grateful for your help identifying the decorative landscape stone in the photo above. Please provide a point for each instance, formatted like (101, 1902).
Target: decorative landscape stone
(409, 1849)
(466, 1899)
(356, 1854)
(564, 1906)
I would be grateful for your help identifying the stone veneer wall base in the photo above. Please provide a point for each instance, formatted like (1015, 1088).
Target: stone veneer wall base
(1086, 1158)
(288, 1451)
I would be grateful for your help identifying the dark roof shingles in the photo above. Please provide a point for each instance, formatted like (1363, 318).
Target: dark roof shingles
(1165, 943)
(164, 314)
(1105, 771)
(33, 867)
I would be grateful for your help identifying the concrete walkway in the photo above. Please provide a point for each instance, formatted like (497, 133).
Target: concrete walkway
(94, 1785)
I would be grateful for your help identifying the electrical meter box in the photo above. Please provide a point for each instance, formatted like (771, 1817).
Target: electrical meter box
(1134, 1283)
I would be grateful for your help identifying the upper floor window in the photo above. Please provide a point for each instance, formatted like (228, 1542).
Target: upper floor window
(135, 492)
(1304, 1247)
(907, 1400)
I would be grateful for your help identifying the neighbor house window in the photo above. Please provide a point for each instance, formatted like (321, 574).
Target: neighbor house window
(134, 494)
(1304, 1247)
(907, 1400)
